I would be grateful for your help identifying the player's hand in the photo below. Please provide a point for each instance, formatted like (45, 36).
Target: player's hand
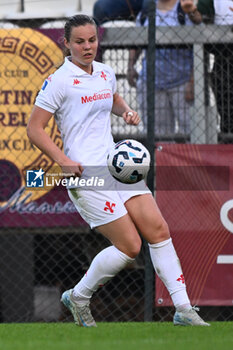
(131, 118)
(188, 6)
(72, 168)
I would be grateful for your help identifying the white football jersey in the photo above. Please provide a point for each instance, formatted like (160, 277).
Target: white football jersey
(82, 104)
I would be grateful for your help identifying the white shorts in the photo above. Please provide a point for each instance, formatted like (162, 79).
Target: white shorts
(99, 207)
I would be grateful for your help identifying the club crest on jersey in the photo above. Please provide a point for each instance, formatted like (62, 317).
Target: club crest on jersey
(109, 207)
(103, 75)
(181, 279)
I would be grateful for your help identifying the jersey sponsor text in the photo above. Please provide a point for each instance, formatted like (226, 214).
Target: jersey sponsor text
(96, 96)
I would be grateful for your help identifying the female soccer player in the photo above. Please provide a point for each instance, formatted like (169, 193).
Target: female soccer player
(81, 94)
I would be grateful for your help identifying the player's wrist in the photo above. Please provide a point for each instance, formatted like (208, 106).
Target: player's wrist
(63, 161)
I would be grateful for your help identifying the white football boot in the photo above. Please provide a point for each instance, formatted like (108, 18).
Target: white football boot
(81, 313)
(189, 318)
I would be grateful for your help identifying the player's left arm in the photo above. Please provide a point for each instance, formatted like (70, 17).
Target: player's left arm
(121, 109)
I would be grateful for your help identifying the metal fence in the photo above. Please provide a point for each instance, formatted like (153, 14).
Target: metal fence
(39, 262)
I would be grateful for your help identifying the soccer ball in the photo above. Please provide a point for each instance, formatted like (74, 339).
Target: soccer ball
(129, 161)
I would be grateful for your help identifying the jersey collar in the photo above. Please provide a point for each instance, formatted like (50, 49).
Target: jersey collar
(79, 71)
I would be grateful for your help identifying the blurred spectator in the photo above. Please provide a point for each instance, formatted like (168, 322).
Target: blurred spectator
(110, 10)
(220, 12)
(173, 71)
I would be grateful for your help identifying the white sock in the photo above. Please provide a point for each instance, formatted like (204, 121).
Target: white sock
(104, 266)
(168, 268)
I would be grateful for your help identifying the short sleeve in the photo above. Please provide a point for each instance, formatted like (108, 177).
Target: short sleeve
(51, 94)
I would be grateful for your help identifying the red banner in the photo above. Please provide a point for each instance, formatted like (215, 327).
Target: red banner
(194, 190)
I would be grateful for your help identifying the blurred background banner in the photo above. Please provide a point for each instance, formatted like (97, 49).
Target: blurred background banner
(195, 194)
(27, 58)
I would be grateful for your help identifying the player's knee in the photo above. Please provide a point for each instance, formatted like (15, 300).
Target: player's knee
(134, 248)
(160, 232)
(163, 230)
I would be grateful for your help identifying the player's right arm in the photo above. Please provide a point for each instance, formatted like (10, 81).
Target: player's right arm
(36, 133)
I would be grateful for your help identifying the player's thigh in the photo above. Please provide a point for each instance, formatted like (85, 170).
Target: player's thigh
(97, 207)
(123, 234)
(106, 212)
(147, 217)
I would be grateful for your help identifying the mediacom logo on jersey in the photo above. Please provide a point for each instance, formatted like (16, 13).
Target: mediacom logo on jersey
(38, 179)
(96, 96)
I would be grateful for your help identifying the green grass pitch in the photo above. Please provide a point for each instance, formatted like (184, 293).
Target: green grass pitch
(115, 336)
